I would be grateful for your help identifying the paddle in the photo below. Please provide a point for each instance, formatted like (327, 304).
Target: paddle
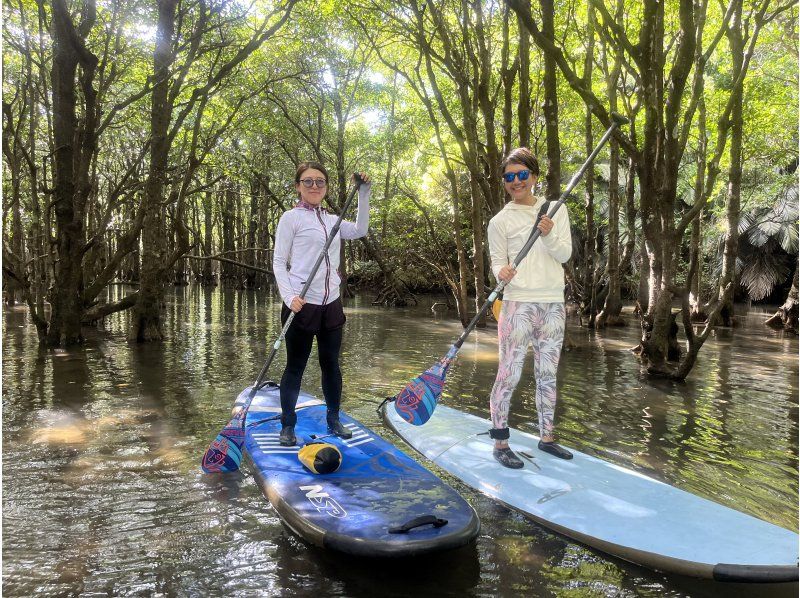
(225, 452)
(416, 402)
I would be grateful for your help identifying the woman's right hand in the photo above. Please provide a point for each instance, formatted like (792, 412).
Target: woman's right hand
(297, 304)
(364, 177)
(506, 273)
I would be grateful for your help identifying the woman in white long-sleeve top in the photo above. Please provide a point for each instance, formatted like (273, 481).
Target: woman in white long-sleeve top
(533, 302)
(301, 235)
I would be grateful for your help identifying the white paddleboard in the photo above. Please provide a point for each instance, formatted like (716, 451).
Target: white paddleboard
(608, 507)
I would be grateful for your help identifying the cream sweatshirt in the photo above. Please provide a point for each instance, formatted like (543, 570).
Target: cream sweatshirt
(540, 277)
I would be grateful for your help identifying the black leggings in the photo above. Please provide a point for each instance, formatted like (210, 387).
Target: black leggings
(298, 349)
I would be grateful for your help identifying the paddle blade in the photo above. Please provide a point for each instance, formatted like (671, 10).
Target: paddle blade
(418, 399)
(225, 452)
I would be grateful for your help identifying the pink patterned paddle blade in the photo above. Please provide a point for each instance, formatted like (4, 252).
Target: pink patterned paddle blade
(225, 452)
(416, 402)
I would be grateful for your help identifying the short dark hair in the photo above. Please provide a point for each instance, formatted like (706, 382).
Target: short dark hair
(524, 156)
(303, 166)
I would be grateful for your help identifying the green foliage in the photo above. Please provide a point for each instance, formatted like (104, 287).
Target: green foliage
(328, 86)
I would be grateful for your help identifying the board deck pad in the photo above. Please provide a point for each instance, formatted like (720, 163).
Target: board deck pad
(376, 488)
(606, 506)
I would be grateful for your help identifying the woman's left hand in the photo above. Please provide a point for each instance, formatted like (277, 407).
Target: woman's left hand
(545, 225)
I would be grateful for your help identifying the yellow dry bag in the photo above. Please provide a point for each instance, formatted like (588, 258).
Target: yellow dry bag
(320, 457)
(497, 305)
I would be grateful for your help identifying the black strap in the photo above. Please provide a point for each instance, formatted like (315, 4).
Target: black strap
(418, 522)
(274, 417)
(499, 433)
(268, 383)
(386, 400)
(266, 419)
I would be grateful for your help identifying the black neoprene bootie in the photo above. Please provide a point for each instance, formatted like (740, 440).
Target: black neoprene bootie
(336, 427)
(507, 458)
(287, 437)
(554, 449)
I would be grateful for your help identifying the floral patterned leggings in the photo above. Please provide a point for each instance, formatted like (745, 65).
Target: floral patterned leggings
(523, 323)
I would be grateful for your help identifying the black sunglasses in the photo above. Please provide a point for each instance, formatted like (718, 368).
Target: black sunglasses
(308, 183)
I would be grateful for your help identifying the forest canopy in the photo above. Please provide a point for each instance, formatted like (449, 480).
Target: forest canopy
(155, 143)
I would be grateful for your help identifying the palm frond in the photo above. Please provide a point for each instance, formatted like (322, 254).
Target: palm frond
(770, 226)
(787, 203)
(788, 239)
(760, 232)
(762, 271)
(746, 221)
(740, 264)
(786, 209)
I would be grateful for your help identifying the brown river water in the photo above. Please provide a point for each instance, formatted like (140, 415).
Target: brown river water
(103, 493)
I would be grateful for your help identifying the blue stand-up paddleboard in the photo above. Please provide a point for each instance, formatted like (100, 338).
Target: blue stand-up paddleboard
(608, 507)
(379, 503)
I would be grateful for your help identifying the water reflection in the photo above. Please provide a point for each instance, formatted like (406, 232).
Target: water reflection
(102, 492)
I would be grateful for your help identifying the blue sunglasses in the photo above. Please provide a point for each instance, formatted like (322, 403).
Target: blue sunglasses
(523, 175)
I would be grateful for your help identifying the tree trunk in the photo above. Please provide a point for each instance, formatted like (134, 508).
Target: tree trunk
(461, 286)
(341, 180)
(39, 223)
(590, 246)
(550, 107)
(228, 271)
(729, 121)
(16, 235)
(266, 223)
(485, 147)
(478, 250)
(462, 291)
(524, 104)
(74, 146)
(626, 262)
(468, 65)
(207, 276)
(733, 199)
(787, 315)
(658, 175)
(252, 233)
(695, 255)
(146, 321)
(612, 307)
(508, 74)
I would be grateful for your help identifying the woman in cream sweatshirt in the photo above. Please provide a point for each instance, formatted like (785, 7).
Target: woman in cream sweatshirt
(533, 302)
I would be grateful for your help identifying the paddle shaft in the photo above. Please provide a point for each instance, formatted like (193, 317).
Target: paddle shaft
(617, 121)
(306, 286)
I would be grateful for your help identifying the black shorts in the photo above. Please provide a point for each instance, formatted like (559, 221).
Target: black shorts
(316, 318)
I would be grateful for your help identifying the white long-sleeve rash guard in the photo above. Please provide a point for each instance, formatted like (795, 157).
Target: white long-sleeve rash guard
(301, 235)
